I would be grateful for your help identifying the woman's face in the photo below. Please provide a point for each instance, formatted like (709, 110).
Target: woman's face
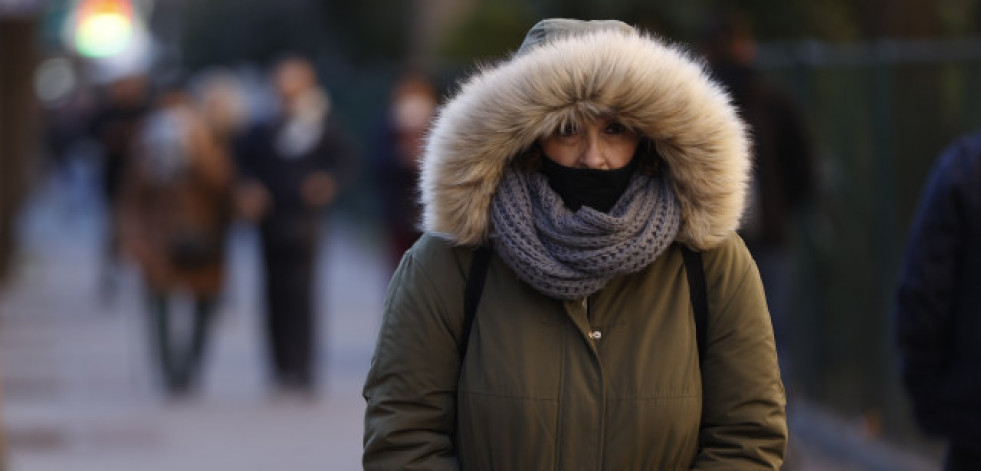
(602, 144)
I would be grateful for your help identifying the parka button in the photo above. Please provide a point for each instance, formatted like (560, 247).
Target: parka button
(596, 335)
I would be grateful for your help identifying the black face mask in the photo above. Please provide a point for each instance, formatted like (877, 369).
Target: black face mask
(578, 187)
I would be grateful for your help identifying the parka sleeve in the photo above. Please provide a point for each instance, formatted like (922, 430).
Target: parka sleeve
(744, 424)
(411, 387)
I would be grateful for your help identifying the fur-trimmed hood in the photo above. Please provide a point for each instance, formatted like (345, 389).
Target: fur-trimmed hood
(641, 81)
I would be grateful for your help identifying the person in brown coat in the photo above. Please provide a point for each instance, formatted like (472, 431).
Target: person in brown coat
(174, 215)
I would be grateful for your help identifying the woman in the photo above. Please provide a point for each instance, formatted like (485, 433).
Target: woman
(174, 218)
(586, 162)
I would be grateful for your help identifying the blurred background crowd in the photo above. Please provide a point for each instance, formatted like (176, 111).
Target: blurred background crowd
(179, 125)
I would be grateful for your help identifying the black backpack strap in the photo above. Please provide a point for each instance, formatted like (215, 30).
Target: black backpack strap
(697, 292)
(479, 264)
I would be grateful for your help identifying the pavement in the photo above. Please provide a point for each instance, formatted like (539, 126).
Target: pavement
(78, 392)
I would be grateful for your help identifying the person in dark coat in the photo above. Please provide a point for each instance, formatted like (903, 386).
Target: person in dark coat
(113, 126)
(783, 164)
(939, 305)
(291, 168)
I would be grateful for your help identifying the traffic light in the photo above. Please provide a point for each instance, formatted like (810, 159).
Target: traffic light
(104, 28)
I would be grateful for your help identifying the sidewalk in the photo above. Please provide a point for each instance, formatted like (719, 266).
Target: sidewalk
(78, 393)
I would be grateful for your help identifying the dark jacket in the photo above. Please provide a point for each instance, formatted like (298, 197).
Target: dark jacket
(783, 162)
(939, 299)
(259, 158)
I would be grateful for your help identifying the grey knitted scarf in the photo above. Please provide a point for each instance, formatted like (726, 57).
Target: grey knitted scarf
(569, 255)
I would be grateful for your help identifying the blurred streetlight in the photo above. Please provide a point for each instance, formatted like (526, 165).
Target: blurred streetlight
(103, 28)
(112, 34)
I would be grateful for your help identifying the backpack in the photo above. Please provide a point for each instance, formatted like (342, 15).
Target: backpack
(480, 263)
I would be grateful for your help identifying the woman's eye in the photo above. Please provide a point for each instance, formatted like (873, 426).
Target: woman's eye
(616, 128)
(567, 130)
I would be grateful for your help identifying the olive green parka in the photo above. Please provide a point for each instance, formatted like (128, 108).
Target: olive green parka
(609, 382)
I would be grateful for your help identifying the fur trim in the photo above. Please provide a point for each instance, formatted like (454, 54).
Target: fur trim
(647, 85)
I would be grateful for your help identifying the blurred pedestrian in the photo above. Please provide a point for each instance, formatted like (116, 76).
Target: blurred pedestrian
(291, 168)
(120, 109)
(398, 148)
(783, 178)
(223, 104)
(70, 150)
(939, 305)
(580, 298)
(174, 213)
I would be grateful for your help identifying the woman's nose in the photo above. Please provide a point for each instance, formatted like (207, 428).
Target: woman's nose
(592, 156)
